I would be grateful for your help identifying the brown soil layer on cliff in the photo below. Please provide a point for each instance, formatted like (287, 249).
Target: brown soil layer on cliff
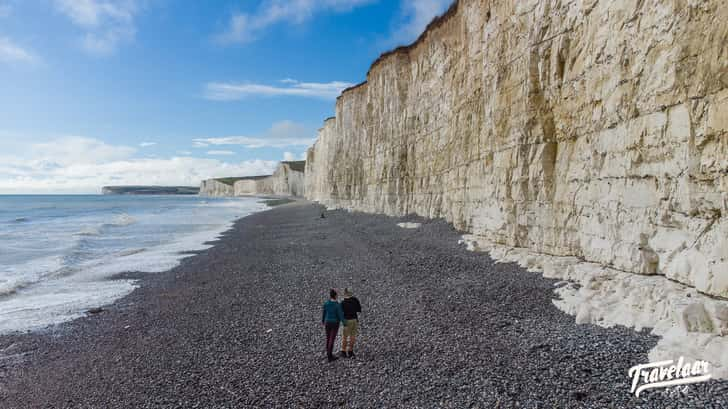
(238, 325)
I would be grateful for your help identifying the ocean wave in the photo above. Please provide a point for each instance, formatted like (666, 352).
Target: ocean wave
(17, 277)
(120, 220)
(123, 220)
(10, 287)
(82, 253)
(130, 252)
(90, 231)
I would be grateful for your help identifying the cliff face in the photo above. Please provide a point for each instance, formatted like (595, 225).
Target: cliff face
(595, 129)
(287, 180)
(249, 186)
(214, 187)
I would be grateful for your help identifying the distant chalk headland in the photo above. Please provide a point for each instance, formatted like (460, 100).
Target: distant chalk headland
(150, 190)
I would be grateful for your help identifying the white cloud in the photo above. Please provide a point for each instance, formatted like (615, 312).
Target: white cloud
(79, 150)
(290, 156)
(281, 134)
(83, 165)
(11, 52)
(220, 153)
(246, 27)
(415, 15)
(147, 144)
(106, 23)
(229, 91)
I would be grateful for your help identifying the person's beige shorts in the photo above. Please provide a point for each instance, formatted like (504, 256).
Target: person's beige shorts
(352, 328)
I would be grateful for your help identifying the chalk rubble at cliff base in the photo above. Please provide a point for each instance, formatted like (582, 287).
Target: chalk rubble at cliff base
(409, 225)
(690, 324)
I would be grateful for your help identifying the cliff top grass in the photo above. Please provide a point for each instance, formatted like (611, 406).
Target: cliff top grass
(231, 180)
(298, 166)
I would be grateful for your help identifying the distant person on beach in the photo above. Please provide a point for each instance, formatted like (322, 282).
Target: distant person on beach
(351, 307)
(331, 317)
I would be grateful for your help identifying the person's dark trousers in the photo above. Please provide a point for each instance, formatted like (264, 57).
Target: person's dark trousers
(332, 328)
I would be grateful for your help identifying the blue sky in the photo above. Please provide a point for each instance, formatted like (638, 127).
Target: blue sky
(98, 92)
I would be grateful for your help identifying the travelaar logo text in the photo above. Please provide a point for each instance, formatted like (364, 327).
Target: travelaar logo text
(667, 373)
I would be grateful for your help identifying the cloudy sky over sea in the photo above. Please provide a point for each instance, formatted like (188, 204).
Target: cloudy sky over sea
(99, 92)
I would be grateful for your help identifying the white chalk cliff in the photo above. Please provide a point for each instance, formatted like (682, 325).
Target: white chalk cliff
(591, 136)
(216, 187)
(287, 180)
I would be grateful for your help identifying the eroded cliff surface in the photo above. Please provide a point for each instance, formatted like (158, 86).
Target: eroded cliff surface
(594, 129)
(287, 180)
(217, 188)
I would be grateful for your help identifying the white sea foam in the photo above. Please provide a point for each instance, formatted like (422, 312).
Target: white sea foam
(14, 278)
(58, 301)
(60, 264)
(123, 220)
(129, 252)
(90, 231)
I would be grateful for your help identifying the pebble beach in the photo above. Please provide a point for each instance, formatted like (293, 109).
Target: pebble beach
(238, 326)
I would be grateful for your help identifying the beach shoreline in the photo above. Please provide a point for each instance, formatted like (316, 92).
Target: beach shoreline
(60, 257)
(236, 325)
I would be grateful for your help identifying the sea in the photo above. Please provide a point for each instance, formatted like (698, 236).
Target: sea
(58, 253)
